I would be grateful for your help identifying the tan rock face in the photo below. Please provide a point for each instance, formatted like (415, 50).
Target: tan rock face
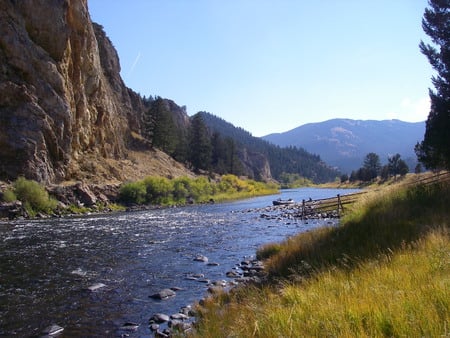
(61, 95)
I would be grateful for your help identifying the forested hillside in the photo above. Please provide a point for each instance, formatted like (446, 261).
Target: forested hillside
(291, 160)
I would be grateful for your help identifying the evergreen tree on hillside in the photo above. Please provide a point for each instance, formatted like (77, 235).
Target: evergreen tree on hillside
(281, 160)
(397, 166)
(224, 155)
(200, 149)
(434, 150)
(371, 167)
(159, 127)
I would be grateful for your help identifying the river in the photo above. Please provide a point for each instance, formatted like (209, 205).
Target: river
(47, 266)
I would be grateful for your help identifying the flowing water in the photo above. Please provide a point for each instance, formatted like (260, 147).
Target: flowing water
(47, 266)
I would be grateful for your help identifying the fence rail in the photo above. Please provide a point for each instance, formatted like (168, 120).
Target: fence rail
(334, 206)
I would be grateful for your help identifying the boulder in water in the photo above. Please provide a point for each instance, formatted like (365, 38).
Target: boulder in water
(164, 294)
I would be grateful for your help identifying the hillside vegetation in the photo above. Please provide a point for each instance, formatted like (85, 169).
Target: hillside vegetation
(384, 272)
(282, 160)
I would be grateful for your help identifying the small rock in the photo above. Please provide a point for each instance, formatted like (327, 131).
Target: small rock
(221, 283)
(53, 330)
(201, 258)
(191, 278)
(204, 280)
(96, 286)
(176, 288)
(213, 264)
(179, 316)
(164, 294)
(215, 289)
(129, 326)
(159, 318)
(161, 334)
(187, 310)
(232, 274)
(154, 327)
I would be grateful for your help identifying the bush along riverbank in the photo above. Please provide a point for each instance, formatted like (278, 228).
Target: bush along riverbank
(28, 199)
(384, 272)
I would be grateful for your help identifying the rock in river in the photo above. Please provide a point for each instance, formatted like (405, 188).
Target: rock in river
(159, 318)
(164, 294)
(96, 286)
(201, 258)
(53, 330)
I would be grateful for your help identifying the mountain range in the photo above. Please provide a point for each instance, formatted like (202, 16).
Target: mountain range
(344, 143)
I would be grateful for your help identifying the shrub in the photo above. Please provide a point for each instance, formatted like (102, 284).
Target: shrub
(9, 196)
(34, 196)
(181, 189)
(158, 190)
(133, 192)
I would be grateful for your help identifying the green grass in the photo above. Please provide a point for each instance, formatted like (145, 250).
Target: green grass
(182, 190)
(34, 197)
(385, 272)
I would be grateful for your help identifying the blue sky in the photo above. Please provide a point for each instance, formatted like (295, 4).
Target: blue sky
(270, 66)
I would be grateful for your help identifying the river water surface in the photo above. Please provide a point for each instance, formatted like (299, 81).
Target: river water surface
(47, 266)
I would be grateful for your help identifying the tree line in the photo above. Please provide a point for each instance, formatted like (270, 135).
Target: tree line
(194, 144)
(372, 168)
(208, 143)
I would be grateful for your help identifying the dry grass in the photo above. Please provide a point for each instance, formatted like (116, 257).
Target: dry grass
(384, 273)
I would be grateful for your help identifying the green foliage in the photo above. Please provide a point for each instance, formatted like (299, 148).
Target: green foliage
(371, 166)
(434, 150)
(134, 192)
(158, 190)
(289, 181)
(182, 190)
(397, 166)
(9, 196)
(160, 129)
(200, 149)
(281, 160)
(34, 196)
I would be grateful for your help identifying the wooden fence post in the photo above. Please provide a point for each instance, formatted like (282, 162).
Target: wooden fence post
(303, 209)
(340, 206)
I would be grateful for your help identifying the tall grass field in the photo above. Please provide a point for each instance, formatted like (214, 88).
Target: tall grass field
(384, 272)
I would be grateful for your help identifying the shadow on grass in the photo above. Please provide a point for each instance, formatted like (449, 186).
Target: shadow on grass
(378, 226)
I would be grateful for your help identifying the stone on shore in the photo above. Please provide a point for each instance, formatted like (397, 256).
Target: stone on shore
(159, 318)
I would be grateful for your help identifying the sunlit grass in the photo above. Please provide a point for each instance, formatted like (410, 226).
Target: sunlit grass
(182, 190)
(385, 272)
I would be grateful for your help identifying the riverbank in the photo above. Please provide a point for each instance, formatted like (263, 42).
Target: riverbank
(27, 199)
(383, 272)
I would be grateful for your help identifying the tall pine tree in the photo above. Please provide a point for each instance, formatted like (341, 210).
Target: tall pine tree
(199, 144)
(434, 150)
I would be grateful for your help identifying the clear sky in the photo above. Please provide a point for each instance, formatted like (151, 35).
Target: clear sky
(272, 65)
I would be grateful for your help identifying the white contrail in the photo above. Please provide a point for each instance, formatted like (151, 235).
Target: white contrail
(134, 63)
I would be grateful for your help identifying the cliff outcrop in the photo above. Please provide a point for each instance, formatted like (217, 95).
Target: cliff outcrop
(66, 115)
(63, 104)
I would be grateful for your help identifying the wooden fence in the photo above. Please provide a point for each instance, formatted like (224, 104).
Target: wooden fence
(335, 206)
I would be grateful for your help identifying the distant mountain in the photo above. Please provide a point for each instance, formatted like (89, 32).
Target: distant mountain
(293, 160)
(344, 142)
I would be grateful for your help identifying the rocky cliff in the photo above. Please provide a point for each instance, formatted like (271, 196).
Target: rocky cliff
(62, 100)
(65, 113)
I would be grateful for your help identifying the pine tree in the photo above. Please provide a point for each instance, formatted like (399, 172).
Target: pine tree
(161, 127)
(199, 144)
(434, 150)
(371, 167)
